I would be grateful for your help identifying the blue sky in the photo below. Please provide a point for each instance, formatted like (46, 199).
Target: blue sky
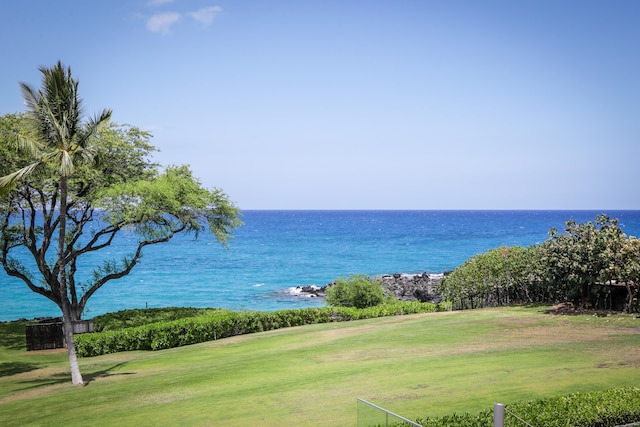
(529, 104)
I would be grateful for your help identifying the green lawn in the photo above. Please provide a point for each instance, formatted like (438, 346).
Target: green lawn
(416, 366)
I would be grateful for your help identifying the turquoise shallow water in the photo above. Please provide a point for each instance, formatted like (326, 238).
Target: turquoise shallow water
(278, 250)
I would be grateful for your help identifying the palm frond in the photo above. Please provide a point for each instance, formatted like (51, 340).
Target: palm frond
(95, 123)
(7, 182)
(32, 146)
(31, 97)
(50, 157)
(66, 163)
(55, 133)
(86, 138)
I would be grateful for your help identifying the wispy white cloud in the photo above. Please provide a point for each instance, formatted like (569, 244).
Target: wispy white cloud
(206, 15)
(159, 2)
(162, 22)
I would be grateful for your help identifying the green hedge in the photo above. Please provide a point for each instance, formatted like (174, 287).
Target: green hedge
(222, 324)
(138, 317)
(605, 408)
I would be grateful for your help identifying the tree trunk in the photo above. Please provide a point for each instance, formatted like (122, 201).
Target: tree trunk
(76, 376)
(75, 313)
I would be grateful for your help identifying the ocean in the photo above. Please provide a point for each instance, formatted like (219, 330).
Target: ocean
(275, 251)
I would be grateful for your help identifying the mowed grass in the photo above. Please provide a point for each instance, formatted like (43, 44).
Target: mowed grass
(416, 366)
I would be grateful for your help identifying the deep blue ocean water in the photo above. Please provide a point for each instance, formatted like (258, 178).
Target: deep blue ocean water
(278, 250)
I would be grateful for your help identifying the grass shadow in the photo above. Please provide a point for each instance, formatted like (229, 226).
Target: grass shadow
(59, 378)
(104, 373)
(65, 377)
(13, 335)
(12, 368)
(568, 309)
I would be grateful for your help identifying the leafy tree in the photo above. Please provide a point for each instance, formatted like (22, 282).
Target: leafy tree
(630, 272)
(356, 291)
(56, 137)
(579, 265)
(584, 258)
(500, 276)
(84, 186)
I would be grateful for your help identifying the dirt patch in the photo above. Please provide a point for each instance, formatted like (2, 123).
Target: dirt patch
(568, 309)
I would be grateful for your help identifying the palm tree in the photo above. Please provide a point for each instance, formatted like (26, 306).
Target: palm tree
(57, 137)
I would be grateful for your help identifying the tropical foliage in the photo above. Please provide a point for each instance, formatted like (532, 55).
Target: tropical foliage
(607, 408)
(70, 187)
(120, 191)
(358, 291)
(586, 261)
(57, 141)
(587, 265)
(502, 276)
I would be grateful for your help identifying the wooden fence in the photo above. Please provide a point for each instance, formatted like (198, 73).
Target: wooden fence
(49, 334)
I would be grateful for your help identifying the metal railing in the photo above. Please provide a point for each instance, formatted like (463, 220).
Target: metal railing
(499, 412)
(372, 415)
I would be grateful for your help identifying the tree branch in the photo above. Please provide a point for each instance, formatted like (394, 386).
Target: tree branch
(128, 265)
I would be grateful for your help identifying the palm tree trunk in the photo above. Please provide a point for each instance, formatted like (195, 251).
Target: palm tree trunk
(76, 376)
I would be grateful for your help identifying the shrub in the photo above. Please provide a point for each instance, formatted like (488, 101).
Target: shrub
(502, 276)
(605, 408)
(223, 323)
(356, 291)
(138, 317)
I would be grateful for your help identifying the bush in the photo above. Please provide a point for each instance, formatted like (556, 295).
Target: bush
(605, 408)
(356, 291)
(502, 276)
(222, 323)
(138, 317)
(577, 266)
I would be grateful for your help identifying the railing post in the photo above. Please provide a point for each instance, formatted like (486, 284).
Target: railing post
(498, 415)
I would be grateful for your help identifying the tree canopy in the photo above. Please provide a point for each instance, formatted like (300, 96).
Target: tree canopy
(500, 276)
(83, 182)
(587, 259)
(57, 140)
(122, 191)
(584, 265)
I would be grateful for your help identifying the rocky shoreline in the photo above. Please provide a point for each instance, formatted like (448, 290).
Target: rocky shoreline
(403, 286)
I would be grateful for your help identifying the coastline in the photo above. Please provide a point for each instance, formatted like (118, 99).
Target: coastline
(279, 250)
(403, 286)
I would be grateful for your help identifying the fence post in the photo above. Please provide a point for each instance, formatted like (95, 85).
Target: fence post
(498, 415)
